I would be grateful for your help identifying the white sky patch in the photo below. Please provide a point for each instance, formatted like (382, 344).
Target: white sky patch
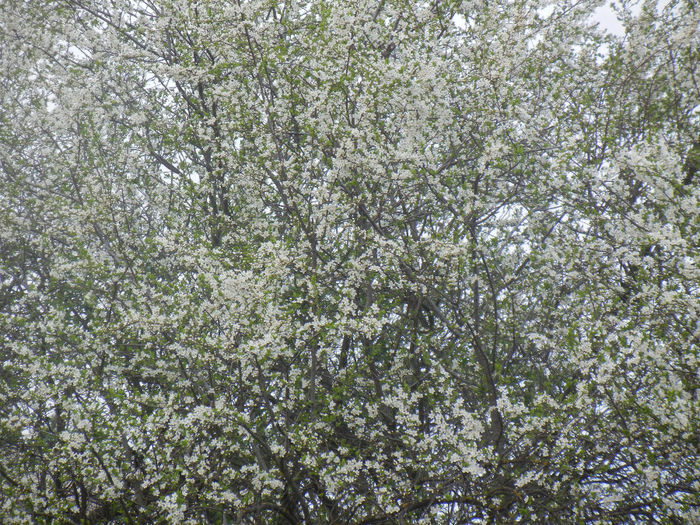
(607, 19)
(603, 15)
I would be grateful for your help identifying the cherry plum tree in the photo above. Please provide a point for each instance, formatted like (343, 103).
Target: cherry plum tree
(371, 261)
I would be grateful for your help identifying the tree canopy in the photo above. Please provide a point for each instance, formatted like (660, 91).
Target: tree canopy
(352, 262)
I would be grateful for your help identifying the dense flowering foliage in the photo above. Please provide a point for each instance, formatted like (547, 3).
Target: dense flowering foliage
(359, 261)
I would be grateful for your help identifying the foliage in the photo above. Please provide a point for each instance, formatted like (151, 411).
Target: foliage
(371, 261)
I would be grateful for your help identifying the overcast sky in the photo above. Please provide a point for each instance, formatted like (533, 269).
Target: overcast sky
(607, 20)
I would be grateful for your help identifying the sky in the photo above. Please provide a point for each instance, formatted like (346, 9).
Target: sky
(607, 20)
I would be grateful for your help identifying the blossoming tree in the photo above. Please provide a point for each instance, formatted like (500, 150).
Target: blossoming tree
(369, 261)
